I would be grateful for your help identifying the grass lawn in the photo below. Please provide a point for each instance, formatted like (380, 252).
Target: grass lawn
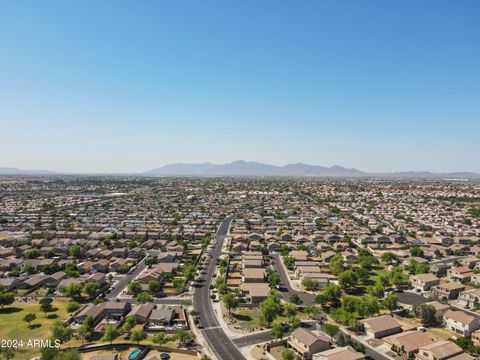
(249, 318)
(13, 327)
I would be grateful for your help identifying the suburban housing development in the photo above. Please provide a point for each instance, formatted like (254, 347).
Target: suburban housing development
(133, 267)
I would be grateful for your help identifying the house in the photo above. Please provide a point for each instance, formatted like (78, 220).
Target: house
(274, 247)
(9, 283)
(299, 255)
(102, 265)
(165, 316)
(113, 310)
(460, 274)
(340, 353)
(326, 256)
(439, 350)
(253, 275)
(306, 343)
(469, 298)
(54, 279)
(449, 290)
(141, 312)
(99, 278)
(439, 269)
(424, 282)
(135, 253)
(470, 261)
(407, 343)
(381, 326)
(255, 292)
(33, 282)
(65, 282)
(460, 322)
(155, 273)
(253, 263)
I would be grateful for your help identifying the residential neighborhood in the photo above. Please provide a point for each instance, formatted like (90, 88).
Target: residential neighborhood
(282, 269)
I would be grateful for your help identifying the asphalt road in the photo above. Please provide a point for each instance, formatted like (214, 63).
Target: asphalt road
(218, 341)
(411, 298)
(306, 298)
(123, 283)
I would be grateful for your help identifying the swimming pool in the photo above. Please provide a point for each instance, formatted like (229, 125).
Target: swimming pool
(133, 355)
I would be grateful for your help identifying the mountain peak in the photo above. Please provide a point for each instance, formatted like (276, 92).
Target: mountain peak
(252, 168)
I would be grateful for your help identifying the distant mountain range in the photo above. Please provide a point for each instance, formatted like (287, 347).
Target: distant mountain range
(251, 168)
(14, 171)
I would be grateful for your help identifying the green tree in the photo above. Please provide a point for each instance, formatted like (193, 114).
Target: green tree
(144, 297)
(178, 284)
(6, 298)
(28, 318)
(151, 261)
(46, 305)
(289, 262)
(154, 286)
(331, 330)
(416, 251)
(391, 302)
(75, 251)
(295, 299)
(376, 290)
(290, 311)
(347, 279)
(160, 338)
(230, 301)
(269, 310)
(134, 288)
(397, 277)
(426, 313)
(129, 323)
(389, 257)
(331, 295)
(72, 306)
(72, 290)
(335, 264)
(86, 329)
(138, 335)
(274, 279)
(310, 284)
(91, 288)
(61, 331)
(110, 333)
(184, 337)
(277, 331)
(311, 310)
(288, 355)
(367, 261)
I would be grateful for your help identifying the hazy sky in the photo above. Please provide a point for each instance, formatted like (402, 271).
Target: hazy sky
(133, 85)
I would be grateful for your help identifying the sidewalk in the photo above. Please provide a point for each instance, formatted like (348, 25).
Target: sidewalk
(217, 308)
(199, 336)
